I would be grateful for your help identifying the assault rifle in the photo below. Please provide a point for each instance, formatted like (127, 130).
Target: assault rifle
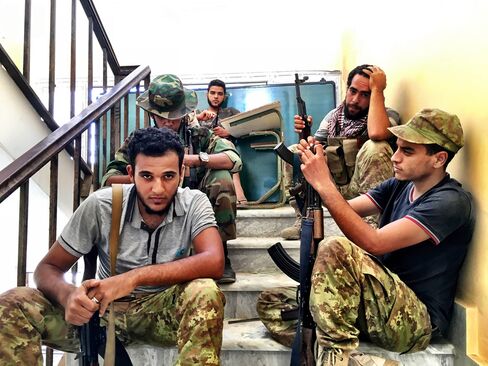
(215, 122)
(92, 343)
(190, 179)
(312, 232)
(92, 336)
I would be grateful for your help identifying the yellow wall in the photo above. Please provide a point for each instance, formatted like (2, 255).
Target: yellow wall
(435, 54)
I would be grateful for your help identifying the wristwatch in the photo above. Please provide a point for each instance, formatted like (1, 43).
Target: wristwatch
(204, 158)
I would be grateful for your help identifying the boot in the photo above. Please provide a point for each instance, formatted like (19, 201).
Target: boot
(229, 275)
(293, 232)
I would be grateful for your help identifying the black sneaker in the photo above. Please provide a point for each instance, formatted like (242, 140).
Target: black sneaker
(229, 275)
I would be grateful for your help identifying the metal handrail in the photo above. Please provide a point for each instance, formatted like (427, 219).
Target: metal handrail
(33, 99)
(16, 173)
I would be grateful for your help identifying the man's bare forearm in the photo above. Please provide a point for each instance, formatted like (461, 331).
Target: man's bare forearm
(378, 121)
(49, 274)
(50, 281)
(203, 265)
(216, 161)
(350, 223)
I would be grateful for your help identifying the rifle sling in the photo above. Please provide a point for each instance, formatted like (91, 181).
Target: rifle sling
(114, 245)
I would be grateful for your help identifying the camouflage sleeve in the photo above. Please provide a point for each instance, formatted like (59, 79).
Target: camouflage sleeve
(118, 166)
(220, 145)
(192, 119)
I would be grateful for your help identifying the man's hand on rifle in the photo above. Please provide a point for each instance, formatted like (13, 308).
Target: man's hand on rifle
(314, 163)
(206, 115)
(110, 289)
(221, 132)
(80, 306)
(300, 124)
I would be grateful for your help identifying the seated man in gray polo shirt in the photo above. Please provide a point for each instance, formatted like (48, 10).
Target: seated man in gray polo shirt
(162, 295)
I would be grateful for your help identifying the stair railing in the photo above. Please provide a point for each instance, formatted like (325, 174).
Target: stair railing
(108, 114)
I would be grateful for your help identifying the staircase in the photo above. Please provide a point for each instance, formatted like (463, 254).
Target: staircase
(246, 341)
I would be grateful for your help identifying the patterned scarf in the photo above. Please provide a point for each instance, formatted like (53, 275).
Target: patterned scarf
(340, 126)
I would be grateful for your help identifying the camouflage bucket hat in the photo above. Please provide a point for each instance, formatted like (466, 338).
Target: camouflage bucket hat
(432, 126)
(167, 98)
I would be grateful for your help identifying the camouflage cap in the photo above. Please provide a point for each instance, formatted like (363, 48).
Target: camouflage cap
(167, 98)
(432, 126)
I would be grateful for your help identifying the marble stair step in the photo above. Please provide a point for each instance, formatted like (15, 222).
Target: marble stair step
(249, 343)
(241, 296)
(253, 338)
(269, 222)
(264, 222)
(250, 254)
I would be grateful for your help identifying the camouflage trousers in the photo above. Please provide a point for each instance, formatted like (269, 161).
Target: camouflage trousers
(189, 315)
(373, 166)
(220, 190)
(353, 295)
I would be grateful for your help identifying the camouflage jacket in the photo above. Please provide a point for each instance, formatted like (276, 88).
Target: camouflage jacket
(202, 140)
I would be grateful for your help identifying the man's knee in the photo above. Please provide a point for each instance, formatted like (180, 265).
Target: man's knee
(19, 295)
(375, 155)
(375, 148)
(204, 294)
(22, 311)
(220, 190)
(373, 165)
(334, 246)
(221, 178)
(221, 193)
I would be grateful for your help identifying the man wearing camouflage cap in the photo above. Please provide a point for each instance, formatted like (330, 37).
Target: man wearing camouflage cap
(211, 159)
(396, 284)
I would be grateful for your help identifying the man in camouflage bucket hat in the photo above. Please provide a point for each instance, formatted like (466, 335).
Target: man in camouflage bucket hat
(167, 98)
(162, 295)
(394, 285)
(212, 159)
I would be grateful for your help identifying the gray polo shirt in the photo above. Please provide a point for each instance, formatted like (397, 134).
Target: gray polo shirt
(189, 214)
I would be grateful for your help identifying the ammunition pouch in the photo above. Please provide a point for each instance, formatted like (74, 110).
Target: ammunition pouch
(341, 155)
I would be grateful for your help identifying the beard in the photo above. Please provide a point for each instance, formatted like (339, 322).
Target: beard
(358, 115)
(215, 106)
(149, 210)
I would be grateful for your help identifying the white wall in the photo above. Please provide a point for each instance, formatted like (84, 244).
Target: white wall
(21, 129)
(221, 36)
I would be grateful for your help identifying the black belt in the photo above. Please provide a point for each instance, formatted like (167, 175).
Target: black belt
(132, 297)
